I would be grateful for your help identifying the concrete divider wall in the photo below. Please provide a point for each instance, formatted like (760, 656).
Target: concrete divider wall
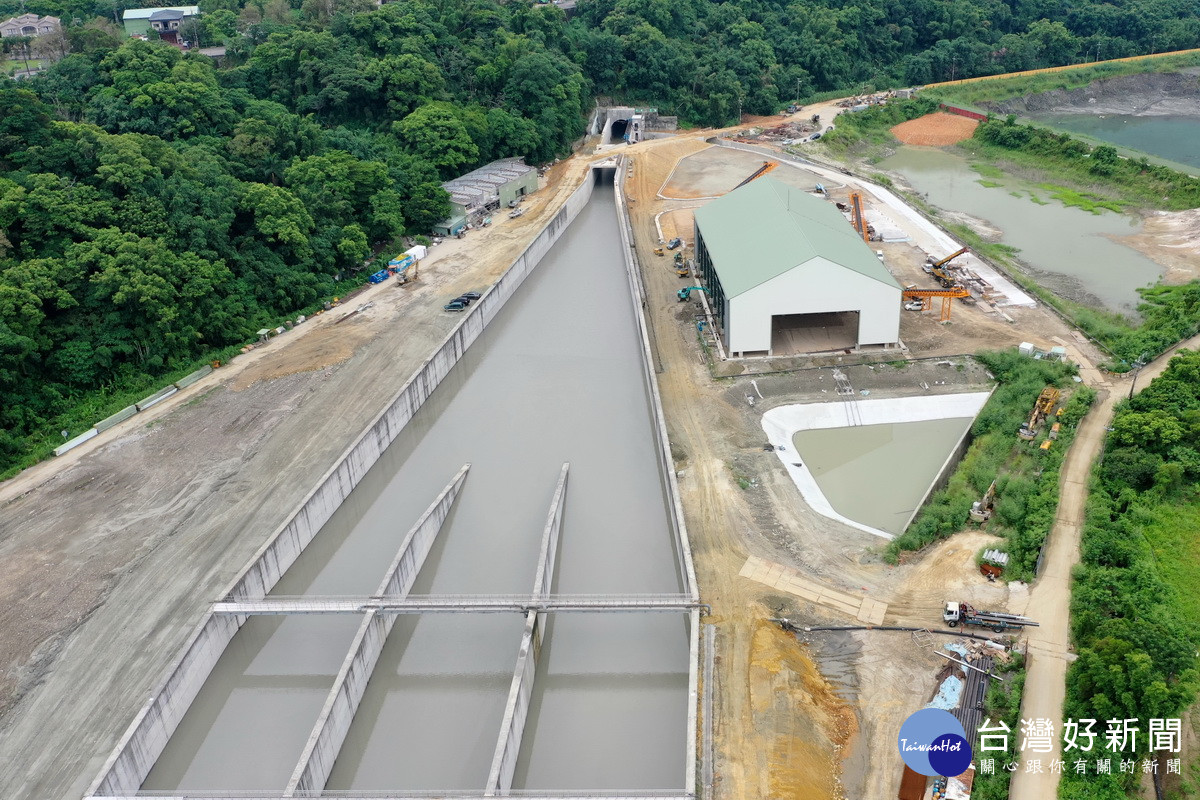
(508, 748)
(116, 419)
(154, 399)
(71, 444)
(190, 378)
(150, 731)
(142, 744)
(333, 723)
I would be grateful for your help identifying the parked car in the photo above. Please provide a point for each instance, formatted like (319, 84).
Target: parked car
(462, 298)
(471, 295)
(914, 305)
(455, 305)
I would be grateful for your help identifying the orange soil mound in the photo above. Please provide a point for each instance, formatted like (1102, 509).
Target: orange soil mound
(936, 130)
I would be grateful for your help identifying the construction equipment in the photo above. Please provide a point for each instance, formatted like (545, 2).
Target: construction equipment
(981, 510)
(683, 294)
(947, 296)
(658, 251)
(859, 221)
(1041, 409)
(679, 258)
(516, 212)
(682, 270)
(947, 259)
(766, 167)
(956, 614)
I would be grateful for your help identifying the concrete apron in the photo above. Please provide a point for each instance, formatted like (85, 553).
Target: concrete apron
(151, 730)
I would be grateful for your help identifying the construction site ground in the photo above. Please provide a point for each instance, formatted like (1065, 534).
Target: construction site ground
(113, 551)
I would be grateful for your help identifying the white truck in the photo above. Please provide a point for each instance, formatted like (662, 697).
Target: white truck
(965, 614)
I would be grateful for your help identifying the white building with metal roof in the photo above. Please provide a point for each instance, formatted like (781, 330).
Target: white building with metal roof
(786, 274)
(489, 188)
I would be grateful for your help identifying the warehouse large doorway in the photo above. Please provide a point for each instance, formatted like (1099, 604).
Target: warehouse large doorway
(796, 334)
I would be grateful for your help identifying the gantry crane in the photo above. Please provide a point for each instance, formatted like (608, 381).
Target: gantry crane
(766, 167)
(947, 296)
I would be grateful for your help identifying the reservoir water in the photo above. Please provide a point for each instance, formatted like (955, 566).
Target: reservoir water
(1069, 248)
(859, 471)
(1172, 138)
(555, 378)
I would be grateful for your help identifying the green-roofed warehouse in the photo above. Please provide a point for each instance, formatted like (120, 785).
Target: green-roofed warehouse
(785, 273)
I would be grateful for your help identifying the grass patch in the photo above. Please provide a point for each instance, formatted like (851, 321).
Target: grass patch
(1172, 533)
(998, 89)
(1084, 200)
(988, 184)
(988, 170)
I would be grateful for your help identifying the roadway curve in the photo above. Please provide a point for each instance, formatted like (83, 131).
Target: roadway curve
(1050, 645)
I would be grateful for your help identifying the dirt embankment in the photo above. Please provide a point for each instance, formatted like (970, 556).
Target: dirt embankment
(1147, 94)
(936, 130)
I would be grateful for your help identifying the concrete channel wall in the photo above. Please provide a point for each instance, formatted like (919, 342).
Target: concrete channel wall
(667, 465)
(153, 727)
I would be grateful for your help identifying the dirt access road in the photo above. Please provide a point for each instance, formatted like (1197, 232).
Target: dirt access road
(112, 552)
(1049, 644)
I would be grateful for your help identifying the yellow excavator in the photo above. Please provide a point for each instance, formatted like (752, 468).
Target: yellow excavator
(1041, 409)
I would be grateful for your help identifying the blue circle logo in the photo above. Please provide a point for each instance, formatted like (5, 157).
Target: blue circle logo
(932, 742)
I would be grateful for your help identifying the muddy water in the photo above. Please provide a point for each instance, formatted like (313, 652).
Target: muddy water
(555, 378)
(1172, 138)
(1067, 247)
(878, 474)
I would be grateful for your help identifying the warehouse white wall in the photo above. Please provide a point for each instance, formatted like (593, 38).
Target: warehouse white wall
(814, 287)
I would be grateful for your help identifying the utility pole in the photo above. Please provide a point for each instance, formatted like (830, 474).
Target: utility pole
(1137, 368)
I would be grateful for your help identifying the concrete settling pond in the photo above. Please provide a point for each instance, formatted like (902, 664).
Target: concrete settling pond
(872, 463)
(554, 378)
(897, 460)
(1070, 248)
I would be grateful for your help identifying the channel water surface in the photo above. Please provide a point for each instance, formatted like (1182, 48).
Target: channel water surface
(555, 378)
(1069, 247)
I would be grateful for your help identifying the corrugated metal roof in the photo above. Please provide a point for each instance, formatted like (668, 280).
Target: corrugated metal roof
(144, 13)
(766, 228)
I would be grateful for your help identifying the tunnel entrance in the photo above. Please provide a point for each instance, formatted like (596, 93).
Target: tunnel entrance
(619, 127)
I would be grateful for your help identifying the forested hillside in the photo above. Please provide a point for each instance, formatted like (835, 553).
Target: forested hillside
(155, 208)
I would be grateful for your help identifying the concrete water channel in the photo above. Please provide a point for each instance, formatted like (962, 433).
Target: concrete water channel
(1070, 248)
(603, 696)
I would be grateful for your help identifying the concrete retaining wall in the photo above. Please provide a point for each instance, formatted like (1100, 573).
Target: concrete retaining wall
(663, 452)
(948, 468)
(116, 419)
(78, 440)
(150, 731)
